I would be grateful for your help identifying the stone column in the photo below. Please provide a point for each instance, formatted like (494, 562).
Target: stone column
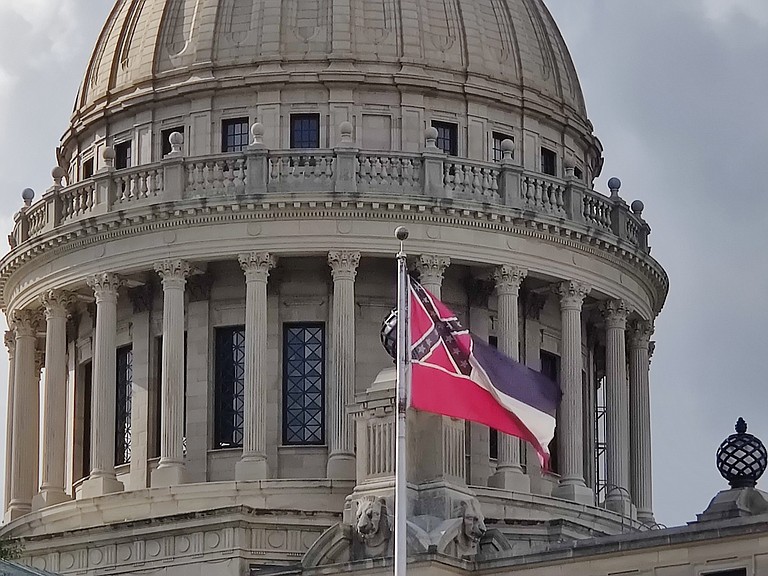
(253, 464)
(170, 470)
(55, 303)
(640, 419)
(10, 344)
(141, 344)
(617, 407)
(102, 479)
(26, 404)
(509, 472)
(341, 450)
(571, 433)
(431, 269)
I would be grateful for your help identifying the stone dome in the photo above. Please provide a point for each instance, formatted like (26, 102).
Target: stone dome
(511, 47)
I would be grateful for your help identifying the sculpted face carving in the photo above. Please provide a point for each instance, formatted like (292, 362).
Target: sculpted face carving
(473, 523)
(369, 517)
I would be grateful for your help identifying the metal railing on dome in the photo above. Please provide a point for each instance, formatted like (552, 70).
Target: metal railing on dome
(258, 172)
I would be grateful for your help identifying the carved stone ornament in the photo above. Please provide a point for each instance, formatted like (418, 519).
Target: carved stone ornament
(472, 527)
(372, 530)
(509, 279)
(639, 334)
(57, 303)
(104, 285)
(173, 273)
(343, 264)
(615, 313)
(572, 294)
(26, 322)
(431, 268)
(257, 265)
(10, 342)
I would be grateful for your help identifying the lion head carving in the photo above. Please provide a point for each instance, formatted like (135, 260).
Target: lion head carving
(473, 524)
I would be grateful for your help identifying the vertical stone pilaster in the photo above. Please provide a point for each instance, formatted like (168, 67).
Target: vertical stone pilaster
(199, 399)
(102, 479)
(26, 403)
(171, 470)
(253, 464)
(509, 473)
(641, 488)
(56, 304)
(572, 485)
(10, 344)
(141, 299)
(341, 453)
(617, 407)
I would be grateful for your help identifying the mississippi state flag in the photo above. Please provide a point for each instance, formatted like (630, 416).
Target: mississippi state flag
(455, 374)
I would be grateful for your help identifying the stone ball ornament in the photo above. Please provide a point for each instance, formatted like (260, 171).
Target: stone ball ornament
(637, 207)
(27, 195)
(742, 458)
(389, 334)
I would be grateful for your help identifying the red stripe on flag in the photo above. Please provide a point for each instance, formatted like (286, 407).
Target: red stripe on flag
(434, 390)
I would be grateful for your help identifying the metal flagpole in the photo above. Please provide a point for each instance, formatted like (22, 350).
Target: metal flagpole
(403, 365)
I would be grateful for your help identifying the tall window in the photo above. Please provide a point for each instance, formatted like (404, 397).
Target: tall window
(303, 383)
(498, 153)
(550, 367)
(548, 162)
(88, 168)
(229, 386)
(165, 139)
(447, 137)
(305, 130)
(123, 155)
(123, 413)
(83, 423)
(234, 134)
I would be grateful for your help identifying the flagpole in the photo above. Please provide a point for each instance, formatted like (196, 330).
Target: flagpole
(403, 362)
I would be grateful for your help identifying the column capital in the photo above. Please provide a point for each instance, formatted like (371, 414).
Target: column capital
(343, 264)
(432, 267)
(57, 303)
(572, 294)
(508, 279)
(639, 334)
(25, 322)
(615, 313)
(173, 272)
(10, 342)
(104, 286)
(257, 265)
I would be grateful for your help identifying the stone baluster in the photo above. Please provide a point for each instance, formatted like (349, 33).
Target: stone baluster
(341, 452)
(509, 472)
(102, 479)
(26, 418)
(56, 304)
(171, 470)
(640, 419)
(617, 407)
(10, 344)
(253, 464)
(571, 434)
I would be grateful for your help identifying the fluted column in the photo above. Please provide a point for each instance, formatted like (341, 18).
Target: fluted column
(253, 464)
(10, 344)
(509, 472)
(26, 404)
(170, 469)
(55, 304)
(341, 451)
(640, 419)
(571, 432)
(431, 269)
(102, 479)
(617, 407)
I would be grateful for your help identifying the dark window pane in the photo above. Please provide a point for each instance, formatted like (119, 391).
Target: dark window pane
(550, 367)
(123, 413)
(229, 386)
(734, 572)
(85, 431)
(123, 155)
(304, 384)
(577, 173)
(447, 137)
(234, 135)
(305, 131)
(165, 136)
(88, 168)
(498, 153)
(548, 162)
(493, 438)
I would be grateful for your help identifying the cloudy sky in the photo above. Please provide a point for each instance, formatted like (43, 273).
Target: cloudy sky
(676, 90)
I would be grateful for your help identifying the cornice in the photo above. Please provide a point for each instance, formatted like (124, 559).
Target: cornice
(401, 210)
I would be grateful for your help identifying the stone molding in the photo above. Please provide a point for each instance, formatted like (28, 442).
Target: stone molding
(509, 278)
(257, 265)
(572, 294)
(105, 286)
(343, 264)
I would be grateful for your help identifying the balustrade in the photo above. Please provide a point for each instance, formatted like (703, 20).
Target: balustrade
(138, 184)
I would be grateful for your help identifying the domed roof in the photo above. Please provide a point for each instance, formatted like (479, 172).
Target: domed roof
(512, 47)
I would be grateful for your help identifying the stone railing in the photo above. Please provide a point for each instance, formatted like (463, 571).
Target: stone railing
(344, 170)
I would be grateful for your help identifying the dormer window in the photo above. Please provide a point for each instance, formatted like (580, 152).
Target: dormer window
(305, 130)
(548, 161)
(88, 168)
(234, 135)
(123, 155)
(447, 137)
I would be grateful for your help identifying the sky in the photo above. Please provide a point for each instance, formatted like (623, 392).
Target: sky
(676, 90)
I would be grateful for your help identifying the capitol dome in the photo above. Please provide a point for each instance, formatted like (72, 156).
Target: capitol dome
(204, 284)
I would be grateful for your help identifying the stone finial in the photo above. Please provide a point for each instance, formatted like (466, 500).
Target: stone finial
(430, 137)
(257, 134)
(742, 458)
(507, 149)
(569, 163)
(614, 185)
(176, 140)
(28, 195)
(345, 129)
(58, 174)
(637, 208)
(108, 155)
